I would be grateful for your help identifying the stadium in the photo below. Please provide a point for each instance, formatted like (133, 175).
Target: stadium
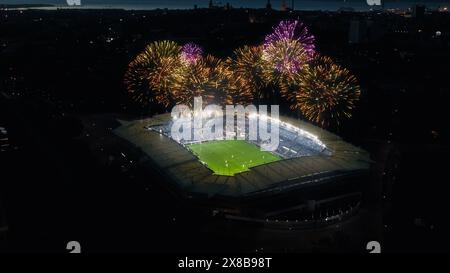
(312, 178)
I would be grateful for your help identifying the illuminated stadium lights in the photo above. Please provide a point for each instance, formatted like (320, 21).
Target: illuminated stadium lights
(286, 148)
(290, 126)
(194, 168)
(208, 123)
(296, 142)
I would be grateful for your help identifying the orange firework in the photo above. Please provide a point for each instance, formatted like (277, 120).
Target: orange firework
(286, 58)
(206, 78)
(248, 69)
(326, 92)
(148, 77)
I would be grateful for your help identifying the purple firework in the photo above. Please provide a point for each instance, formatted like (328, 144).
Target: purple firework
(292, 30)
(191, 53)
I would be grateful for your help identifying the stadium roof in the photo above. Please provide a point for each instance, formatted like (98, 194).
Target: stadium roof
(192, 176)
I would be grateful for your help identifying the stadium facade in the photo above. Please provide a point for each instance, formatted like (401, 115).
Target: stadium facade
(319, 180)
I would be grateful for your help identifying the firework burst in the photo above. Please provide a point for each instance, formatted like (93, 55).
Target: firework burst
(248, 69)
(292, 30)
(148, 77)
(191, 53)
(326, 92)
(287, 50)
(206, 78)
(285, 59)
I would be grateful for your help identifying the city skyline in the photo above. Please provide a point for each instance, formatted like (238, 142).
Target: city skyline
(205, 3)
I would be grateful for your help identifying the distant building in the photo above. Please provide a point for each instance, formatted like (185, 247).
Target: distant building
(364, 31)
(356, 32)
(443, 9)
(346, 9)
(418, 11)
(212, 5)
(268, 5)
(283, 6)
(256, 18)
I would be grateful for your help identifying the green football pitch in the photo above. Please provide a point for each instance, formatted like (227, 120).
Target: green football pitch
(229, 157)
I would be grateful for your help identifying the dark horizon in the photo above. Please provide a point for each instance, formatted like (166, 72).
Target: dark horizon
(328, 5)
(236, 3)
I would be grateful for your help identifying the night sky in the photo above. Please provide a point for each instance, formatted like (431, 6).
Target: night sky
(162, 3)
